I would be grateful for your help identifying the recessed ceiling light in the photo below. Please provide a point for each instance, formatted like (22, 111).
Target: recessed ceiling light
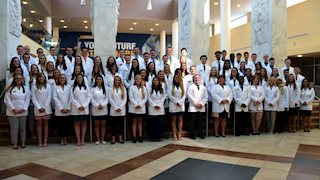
(40, 20)
(62, 20)
(32, 12)
(24, 19)
(151, 29)
(24, 2)
(131, 29)
(299, 55)
(85, 22)
(86, 27)
(157, 24)
(238, 5)
(31, 25)
(65, 27)
(215, 3)
(134, 23)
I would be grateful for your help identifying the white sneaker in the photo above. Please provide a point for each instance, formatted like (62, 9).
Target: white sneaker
(97, 142)
(103, 142)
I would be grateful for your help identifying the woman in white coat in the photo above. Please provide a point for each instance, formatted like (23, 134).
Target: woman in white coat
(99, 110)
(80, 97)
(306, 98)
(222, 97)
(137, 107)
(61, 97)
(211, 80)
(118, 100)
(156, 98)
(242, 99)
(17, 99)
(256, 105)
(41, 98)
(272, 96)
(283, 105)
(177, 96)
(294, 102)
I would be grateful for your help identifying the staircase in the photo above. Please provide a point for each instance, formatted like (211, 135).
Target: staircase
(315, 116)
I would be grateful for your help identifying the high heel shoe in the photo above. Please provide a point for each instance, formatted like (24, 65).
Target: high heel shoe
(174, 136)
(140, 139)
(134, 140)
(179, 136)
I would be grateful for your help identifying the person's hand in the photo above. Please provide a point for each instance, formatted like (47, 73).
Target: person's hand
(100, 107)
(296, 104)
(305, 103)
(118, 110)
(16, 111)
(199, 106)
(270, 104)
(157, 107)
(42, 110)
(81, 108)
(178, 104)
(138, 107)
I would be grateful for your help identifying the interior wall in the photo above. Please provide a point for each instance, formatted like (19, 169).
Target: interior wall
(25, 40)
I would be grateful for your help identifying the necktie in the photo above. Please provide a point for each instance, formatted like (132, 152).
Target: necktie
(170, 59)
(198, 87)
(234, 82)
(219, 67)
(241, 86)
(136, 56)
(204, 67)
(54, 57)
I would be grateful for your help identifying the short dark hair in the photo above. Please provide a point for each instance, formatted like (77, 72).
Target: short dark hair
(145, 53)
(39, 49)
(183, 49)
(239, 54)
(245, 53)
(253, 54)
(223, 51)
(203, 56)
(271, 59)
(152, 50)
(84, 48)
(217, 52)
(51, 47)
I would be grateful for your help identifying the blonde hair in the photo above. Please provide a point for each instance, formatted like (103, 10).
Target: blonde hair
(280, 86)
(141, 85)
(120, 86)
(180, 84)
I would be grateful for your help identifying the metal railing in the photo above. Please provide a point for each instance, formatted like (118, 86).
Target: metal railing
(318, 99)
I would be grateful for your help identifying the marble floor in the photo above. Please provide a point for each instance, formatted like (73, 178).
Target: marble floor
(278, 156)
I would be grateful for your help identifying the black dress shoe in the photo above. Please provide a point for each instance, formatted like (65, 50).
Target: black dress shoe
(192, 137)
(134, 140)
(223, 136)
(140, 139)
(202, 137)
(112, 142)
(216, 136)
(121, 142)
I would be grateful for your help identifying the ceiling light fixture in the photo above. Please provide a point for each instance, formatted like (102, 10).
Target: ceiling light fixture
(151, 29)
(238, 5)
(24, 2)
(299, 55)
(31, 25)
(215, 3)
(32, 11)
(131, 29)
(157, 24)
(24, 19)
(82, 2)
(86, 27)
(65, 27)
(134, 23)
(149, 5)
(40, 20)
(62, 21)
(85, 21)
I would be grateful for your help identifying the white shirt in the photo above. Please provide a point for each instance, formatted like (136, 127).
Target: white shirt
(80, 97)
(204, 72)
(61, 99)
(140, 59)
(218, 63)
(117, 102)
(257, 95)
(307, 95)
(241, 96)
(99, 98)
(120, 61)
(16, 99)
(210, 82)
(291, 70)
(251, 65)
(218, 94)
(136, 99)
(156, 99)
(176, 99)
(283, 102)
(87, 66)
(272, 96)
(197, 96)
(52, 58)
(299, 79)
(41, 98)
(294, 96)
(173, 62)
(68, 61)
(125, 70)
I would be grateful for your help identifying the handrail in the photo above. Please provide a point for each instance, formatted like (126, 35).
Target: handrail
(318, 99)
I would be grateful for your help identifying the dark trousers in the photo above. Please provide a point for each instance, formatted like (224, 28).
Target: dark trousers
(196, 118)
(155, 127)
(116, 125)
(280, 121)
(242, 119)
(63, 125)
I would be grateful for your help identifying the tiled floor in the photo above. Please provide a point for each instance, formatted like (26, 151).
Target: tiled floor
(278, 156)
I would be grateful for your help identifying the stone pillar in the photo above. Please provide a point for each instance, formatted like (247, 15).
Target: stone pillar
(225, 30)
(194, 27)
(104, 18)
(269, 29)
(175, 38)
(163, 43)
(10, 20)
(48, 24)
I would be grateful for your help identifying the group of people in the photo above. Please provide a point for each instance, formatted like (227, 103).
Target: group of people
(40, 88)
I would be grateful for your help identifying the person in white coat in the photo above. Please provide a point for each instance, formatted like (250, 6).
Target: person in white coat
(294, 102)
(99, 108)
(256, 105)
(222, 97)
(156, 98)
(306, 99)
(137, 107)
(17, 99)
(203, 69)
(80, 97)
(299, 77)
(118, 100)
(41, 98)
(134, 70)
(61, 97)
(61, 65)
(283, 105)
(198, 97)
(272, 96)
(177, 96)
(211, 81)
(241, 94)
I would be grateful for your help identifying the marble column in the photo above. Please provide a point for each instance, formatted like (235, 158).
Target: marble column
(225, 19)
(104, 18)
(175, 38)
(194, 27)
(269, 29)
(163, 43)
(48, 24)
(10, 20)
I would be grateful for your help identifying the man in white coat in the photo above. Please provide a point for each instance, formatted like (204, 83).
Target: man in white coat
(68, 58)
(172, 60)
(218, 63)
(87, 62)
(125, 70)
(120, 60)
(287, 66)
(299, 77)
(203, 69)
(136, 55)
(189, 62)
(52, 56)
(198, 98)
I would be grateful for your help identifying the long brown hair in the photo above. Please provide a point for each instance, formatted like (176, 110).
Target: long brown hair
(120, 86)
(38, 85)
(141, 85)
(180, 85)
(13, 84)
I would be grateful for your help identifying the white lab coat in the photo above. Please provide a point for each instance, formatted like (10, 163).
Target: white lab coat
(307, 95)
(17, 100)
(67, 60)
(291, 71)
(211, 81)
(175, 99)
(294, 96)
(241, 96)
(218, 94)
(61, 99)
(251, 65)
(196, 96)
(257, 95)
(52, 58)
(120, 61)
(125, 70)
(117, 102)
(99, 98)
(216, 65)
(80, 97)
(232, 83)
(87, 66)
(272, 96)
(173, 62)
(156, 99)
(135, 97)
(283, 102)
(41, 98)
(299, 79)
(203, 73)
